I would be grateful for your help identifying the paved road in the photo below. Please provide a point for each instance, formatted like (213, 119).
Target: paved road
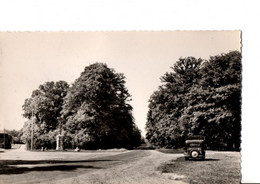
(111, 166)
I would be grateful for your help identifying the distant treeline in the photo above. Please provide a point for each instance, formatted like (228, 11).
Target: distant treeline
(199, 97)
(16, 135)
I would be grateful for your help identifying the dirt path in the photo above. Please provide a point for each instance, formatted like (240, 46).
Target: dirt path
(140, 170)
(110, 167)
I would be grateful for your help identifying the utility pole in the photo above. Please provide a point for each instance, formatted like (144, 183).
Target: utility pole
(4, 138)
(32, 132)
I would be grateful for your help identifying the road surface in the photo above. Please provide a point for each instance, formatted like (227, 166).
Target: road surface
(94, 167)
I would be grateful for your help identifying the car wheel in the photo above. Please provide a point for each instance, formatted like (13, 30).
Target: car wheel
(194, 154)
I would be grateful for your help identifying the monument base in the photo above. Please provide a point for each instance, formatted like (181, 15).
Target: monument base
(59, 142)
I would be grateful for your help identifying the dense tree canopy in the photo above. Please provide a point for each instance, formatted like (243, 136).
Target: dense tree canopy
(46, 103)
(198, 97)
(97, 112)
(44, 108)
(93, 112)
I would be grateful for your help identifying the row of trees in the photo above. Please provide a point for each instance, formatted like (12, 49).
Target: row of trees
(94, 112)
(198, 97)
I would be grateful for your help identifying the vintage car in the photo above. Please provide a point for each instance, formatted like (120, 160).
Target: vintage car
(195, 149)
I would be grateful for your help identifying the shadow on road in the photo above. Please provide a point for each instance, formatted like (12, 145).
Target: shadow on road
(200, 160)
(14, 170)
(19, 162)
(197, 160)
(24, 166)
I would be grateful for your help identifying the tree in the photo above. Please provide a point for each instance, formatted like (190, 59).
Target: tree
(222, 74)
(46, 104)
(97, 112)
(44, 108)
(199, 97)
(16, 135)
(167, 103)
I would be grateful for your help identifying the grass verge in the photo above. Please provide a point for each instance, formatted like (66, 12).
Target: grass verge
(217, 168)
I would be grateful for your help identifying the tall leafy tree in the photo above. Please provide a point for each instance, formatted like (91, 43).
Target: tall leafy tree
(222, 74)
(167, 103)
(208, 103)
(97, 110)
(44, 108)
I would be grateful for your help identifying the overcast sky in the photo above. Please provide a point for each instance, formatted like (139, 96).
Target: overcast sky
(29, 59)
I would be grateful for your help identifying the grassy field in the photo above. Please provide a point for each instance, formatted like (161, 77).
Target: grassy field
(218, 168)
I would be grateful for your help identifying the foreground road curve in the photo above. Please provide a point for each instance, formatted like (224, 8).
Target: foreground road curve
(94, 167)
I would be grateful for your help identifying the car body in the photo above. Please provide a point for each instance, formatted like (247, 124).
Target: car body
(195, 149)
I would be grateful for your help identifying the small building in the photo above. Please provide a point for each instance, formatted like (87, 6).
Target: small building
(5, 140)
